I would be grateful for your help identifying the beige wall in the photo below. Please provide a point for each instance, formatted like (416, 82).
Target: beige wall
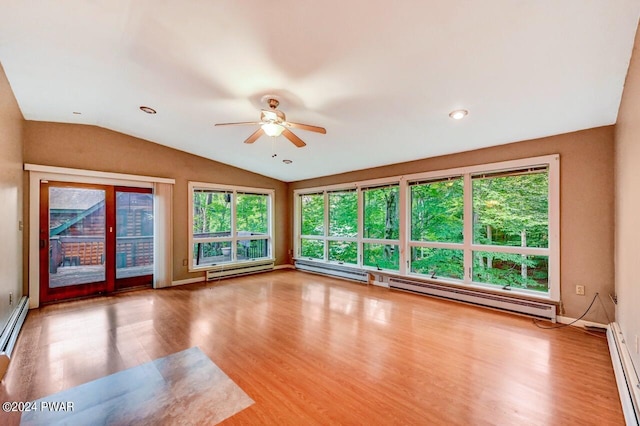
(94, 148)
(11, 187)
(586, 206)
(627, 196)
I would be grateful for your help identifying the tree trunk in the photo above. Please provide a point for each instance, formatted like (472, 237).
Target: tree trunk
(390, 222)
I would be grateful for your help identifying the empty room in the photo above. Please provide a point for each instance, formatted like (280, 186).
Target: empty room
(328, 212)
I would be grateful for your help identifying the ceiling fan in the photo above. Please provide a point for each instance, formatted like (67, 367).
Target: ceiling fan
(274, 123)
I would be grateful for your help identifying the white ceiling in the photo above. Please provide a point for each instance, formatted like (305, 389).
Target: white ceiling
(380, 76)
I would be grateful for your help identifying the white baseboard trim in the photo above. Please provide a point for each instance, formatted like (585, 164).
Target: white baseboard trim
(285, 266)
(188, 281)
(626, 377)
(580, 323)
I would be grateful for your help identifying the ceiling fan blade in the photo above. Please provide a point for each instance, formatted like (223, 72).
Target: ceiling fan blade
(254, 136)
(308, 127)
(243, 123)
(293, 138)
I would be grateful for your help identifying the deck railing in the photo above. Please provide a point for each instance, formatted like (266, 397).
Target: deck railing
(89, 250)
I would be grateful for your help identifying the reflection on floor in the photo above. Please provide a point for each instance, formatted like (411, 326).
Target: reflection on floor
(183, 385)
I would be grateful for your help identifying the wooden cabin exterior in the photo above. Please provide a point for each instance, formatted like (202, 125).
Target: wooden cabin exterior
(77, 237)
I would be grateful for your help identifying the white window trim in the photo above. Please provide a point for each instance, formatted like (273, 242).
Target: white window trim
(233, 238)
(553, 251)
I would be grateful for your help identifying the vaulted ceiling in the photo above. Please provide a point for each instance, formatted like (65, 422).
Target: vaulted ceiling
(380, 76)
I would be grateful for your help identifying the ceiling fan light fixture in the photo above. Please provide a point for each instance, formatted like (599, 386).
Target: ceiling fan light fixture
(272, 129)
(458, 114)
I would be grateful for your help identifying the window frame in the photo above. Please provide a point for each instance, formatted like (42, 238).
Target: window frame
(405, 244)
(233, 238)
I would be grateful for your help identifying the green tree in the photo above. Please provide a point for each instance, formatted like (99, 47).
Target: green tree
(381, 221)
(312, 210)
(212, 212)
(252, 213)
(511, 210)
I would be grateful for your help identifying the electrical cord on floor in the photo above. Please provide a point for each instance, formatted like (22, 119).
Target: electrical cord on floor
(535, 322)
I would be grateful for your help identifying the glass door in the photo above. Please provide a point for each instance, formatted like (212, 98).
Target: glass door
(134, 237)
(94, 239)
(74, 260)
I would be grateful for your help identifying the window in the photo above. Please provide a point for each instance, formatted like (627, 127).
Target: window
(343, 226)
(437, 211)
(229, 224)
(329, 223)
(510, 216)
(381, 244)
(312, 208)
(494, 225)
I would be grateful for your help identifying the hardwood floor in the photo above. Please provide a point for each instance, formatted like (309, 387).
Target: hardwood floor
(315, 350)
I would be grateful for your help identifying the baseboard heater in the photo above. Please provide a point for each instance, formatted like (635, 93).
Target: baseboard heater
(333, 270)
(504, 303)
(243, 269)
(626, 375)
(9, 335)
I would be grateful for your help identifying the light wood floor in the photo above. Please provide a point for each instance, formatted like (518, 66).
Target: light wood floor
(315, 350)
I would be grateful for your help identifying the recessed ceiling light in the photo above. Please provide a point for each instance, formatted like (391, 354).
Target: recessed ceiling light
(458, 114)
(287, 161)
(147, 109)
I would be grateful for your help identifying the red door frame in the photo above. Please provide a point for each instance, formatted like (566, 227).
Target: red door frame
(110, 283)
(140, 280)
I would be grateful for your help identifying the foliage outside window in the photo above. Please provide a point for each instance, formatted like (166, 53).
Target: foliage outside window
(511, 209)
(381, 227)
(338, 235)
(343, 226)
(437, 210)
(229, 225)
(312, 224)
(494, 225)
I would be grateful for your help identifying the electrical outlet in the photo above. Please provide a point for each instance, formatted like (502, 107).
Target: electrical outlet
(185, 262)
(580, 290)
(11, 303)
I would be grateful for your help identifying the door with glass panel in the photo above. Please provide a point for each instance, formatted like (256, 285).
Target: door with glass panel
(93, 239)
(134, 237)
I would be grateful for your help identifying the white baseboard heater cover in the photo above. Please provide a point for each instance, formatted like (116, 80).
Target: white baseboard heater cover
(333, 270)
(10, 333)
(504, 303)
(234, 270)
(626, 376)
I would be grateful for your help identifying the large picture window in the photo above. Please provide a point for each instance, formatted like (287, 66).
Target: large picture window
(437, 227)
(313, 226)
(229, 225)
(494, 225)
(343, 226)
(511, 215)
(381, 236)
